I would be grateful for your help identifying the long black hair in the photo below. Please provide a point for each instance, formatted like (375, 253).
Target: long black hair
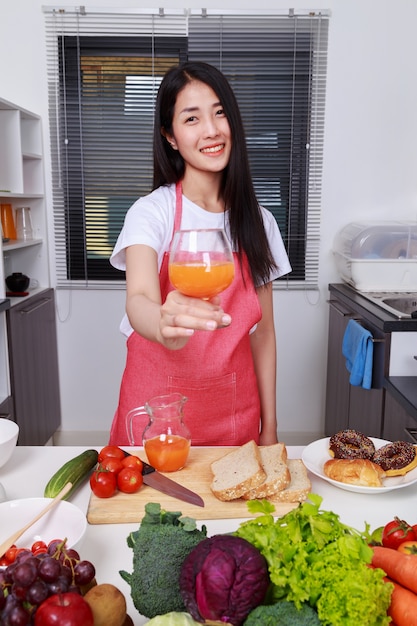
(246, 224)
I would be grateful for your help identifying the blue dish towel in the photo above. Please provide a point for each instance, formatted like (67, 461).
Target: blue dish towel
(358, 349)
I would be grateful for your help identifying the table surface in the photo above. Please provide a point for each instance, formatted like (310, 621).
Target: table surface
(29, 469)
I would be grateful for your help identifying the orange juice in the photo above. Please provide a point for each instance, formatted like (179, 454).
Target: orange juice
(167, 453)
(200, 280)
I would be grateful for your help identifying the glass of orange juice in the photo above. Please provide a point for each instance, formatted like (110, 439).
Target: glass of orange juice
(201, 262)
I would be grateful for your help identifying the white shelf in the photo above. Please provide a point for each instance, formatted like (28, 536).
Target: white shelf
(8, 196)
(16, 244)
(22, 184)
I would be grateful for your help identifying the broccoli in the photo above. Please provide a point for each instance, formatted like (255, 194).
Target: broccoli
(160, 546)
(283, 613)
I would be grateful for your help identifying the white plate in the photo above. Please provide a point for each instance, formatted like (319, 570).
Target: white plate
(316, 454)
(64, 521)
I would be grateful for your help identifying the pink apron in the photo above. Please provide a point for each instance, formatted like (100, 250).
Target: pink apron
(214, 370)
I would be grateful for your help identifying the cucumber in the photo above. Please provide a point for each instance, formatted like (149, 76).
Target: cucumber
(75, 471)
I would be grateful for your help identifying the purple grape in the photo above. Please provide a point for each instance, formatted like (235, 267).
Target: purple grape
(18, 616)
(49, 570)
(84, 572)
(18, 591)
(8, 573)
(69, 558)
(37, 593)
(25, 573)
(23, 555)
(11, 602)
(55, 546)
(66, 573)
(58, 586)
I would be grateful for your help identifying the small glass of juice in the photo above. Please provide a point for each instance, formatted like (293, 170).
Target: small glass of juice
(201, 262)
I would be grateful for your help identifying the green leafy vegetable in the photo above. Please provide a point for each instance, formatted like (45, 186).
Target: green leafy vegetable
(160, 546)
(314, 558)
(283, 613)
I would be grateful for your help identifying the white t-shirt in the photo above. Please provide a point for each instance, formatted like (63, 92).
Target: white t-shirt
(150, 221)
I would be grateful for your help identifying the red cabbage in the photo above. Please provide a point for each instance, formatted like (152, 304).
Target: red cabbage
(222, 579)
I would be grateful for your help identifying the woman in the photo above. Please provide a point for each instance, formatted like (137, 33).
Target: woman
(220, 354)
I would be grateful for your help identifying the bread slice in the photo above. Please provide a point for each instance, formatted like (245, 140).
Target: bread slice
(273, 459)
(299, 487)
(237, 472)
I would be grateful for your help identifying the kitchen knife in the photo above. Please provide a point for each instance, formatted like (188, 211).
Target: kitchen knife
(153, 478)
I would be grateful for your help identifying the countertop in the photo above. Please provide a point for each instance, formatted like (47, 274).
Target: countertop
(29, 469)
(380, 318)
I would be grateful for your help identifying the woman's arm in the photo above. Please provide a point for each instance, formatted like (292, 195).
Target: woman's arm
(263, 344)
(170, 323)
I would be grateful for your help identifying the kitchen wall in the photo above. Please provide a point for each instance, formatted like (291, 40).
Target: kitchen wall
(370, 172)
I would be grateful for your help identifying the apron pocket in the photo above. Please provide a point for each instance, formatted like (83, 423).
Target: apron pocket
(210, 411)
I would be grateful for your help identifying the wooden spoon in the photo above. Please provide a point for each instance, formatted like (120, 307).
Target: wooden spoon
(13, 538)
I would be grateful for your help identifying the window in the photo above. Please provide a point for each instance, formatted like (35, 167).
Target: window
(105, 69)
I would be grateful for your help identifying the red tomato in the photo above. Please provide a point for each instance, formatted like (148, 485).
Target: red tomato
(103, 483)
(129, 480)
(408, 547)
(10, 554)
(111, 464)
(114, 451)
(397, 532)
(64, 608)
(133, 461)
(37, 545)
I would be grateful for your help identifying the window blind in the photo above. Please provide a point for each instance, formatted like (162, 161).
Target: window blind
(104, 68)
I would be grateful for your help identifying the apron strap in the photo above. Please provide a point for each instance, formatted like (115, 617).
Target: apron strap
(178, 210)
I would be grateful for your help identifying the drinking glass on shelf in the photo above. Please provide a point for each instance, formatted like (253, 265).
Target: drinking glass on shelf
(201, 262)
(24, 227)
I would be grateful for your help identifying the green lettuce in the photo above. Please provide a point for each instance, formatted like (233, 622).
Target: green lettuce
(314, 558)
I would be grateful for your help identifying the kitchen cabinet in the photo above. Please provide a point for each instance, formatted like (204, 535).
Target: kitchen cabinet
(34, 367)
(7, 409)
(22, 185)
(29, 390)
(4, 362)
(398, 424)
(348, 406)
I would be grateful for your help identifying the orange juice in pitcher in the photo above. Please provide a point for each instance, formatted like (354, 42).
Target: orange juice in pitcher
(166, 439)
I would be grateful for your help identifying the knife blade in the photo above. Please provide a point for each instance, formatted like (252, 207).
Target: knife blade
(153, 478)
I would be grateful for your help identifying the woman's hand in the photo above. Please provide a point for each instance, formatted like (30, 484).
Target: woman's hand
(181, 316)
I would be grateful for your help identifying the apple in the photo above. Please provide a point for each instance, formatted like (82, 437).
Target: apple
(64, 609)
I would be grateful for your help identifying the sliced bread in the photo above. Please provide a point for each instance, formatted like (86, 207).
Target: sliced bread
(299, 487)
(237, 472)
(273, 459)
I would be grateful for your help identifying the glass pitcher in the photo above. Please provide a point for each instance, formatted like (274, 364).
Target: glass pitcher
(166, 439)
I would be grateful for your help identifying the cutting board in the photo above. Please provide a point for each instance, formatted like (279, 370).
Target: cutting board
(196, 475)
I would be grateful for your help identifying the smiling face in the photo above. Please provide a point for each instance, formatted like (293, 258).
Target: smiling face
(200, 130)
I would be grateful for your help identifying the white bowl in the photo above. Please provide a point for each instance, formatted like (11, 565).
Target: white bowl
(64, 521)
(9, 432)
